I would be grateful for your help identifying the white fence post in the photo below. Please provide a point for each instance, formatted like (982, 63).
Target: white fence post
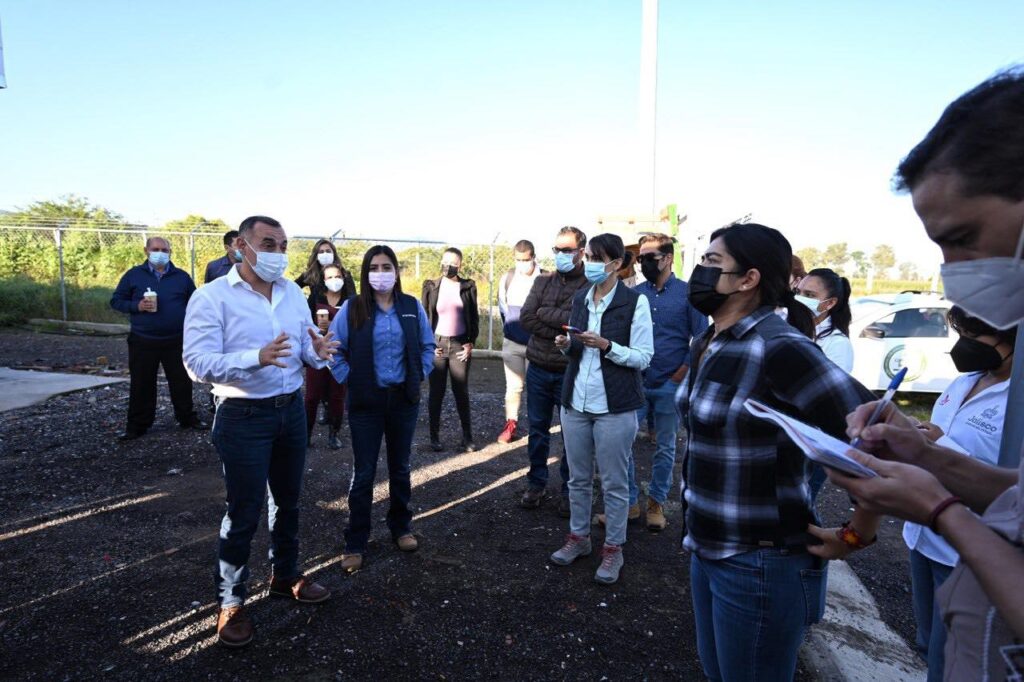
(59, 236)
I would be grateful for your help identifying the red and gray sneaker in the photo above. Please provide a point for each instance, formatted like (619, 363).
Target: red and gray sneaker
(508, 434)
(575, 547)
(611, 564)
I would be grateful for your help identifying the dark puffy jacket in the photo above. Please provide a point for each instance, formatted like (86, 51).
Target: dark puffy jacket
(470, 311)
(545, 311)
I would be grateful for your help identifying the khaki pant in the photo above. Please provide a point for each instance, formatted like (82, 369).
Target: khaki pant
(513, 356)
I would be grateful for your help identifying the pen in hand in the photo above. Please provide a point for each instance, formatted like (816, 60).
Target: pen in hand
(886, 399)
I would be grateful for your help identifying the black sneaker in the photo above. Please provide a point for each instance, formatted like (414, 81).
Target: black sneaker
(467, 445)
(435, 444)
(334, 440)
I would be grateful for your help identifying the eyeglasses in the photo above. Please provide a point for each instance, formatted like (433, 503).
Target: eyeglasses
(564, 249)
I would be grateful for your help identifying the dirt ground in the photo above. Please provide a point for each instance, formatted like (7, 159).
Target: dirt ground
(108, 553)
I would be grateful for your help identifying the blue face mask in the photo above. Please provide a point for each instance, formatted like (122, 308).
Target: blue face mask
(159, 258)
(564, 262)
(595, 272)
(238, 255)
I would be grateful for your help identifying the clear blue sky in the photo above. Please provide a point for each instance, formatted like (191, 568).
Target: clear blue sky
(456, 120)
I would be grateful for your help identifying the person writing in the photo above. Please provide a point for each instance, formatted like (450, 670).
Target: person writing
(386, 350)
(610, 343)
(965, 182)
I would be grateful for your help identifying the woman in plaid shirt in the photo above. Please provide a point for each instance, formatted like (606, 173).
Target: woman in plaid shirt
(759, 563)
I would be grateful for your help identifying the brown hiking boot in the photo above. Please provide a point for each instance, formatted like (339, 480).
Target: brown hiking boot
(350, 563)
(408, 543)
(634, 514)
(234, 629)
(655, 515)
(299, 589)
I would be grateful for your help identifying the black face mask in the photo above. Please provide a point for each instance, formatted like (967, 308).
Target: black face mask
(449, 271)
(971, 355)
(649, 268)
(702, 292)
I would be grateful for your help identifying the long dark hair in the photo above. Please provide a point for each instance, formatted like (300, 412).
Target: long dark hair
(314, 271)
(362, 304)
(836, 287)
(610, 246)
(761, 248)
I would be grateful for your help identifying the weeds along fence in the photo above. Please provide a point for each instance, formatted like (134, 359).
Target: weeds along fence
(68, 273)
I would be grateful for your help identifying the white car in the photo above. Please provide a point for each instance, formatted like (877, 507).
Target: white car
(893, 331)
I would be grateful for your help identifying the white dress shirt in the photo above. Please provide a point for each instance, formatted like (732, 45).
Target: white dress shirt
(974, 428)
(227, 323)
(588, 394)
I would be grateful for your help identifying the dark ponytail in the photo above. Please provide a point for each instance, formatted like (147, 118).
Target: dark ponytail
(761, 248)
(838, 288)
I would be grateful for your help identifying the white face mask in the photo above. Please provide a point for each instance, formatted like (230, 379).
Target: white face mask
(382, 281)
(523, 267)
(325, 258)
(269, 266)
(334, 285)
(988, 288)
(811, 303)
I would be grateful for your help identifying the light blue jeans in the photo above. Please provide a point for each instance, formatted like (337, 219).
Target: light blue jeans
(752, 611)
(661, 402)
(607, 440)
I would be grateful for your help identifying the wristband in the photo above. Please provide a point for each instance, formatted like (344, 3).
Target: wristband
(933, 518)
(849, 535)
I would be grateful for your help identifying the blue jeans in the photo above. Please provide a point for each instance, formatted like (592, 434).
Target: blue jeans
(395, 423)
(752, 610)
(926, 577)
(543, 397)
(661, 402)
(262, 448)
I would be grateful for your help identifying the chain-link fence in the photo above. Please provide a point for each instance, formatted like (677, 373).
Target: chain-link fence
(68, 273)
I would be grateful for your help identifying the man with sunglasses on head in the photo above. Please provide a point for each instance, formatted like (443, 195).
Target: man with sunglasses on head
(675, 323)
(544, 315)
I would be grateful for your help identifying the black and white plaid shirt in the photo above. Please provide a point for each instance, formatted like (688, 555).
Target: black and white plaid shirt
(746, 482)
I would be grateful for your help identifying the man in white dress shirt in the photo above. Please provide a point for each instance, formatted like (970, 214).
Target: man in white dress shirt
(239, 332)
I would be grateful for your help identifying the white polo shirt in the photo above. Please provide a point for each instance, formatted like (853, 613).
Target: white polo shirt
(974, 428)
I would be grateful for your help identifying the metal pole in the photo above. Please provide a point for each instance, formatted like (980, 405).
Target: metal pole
(60, 259)
(490, 300)
(417, 263)
(192, 246)
(1013, 423)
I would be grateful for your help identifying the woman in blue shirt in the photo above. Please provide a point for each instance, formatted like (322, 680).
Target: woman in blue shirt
(386, 350)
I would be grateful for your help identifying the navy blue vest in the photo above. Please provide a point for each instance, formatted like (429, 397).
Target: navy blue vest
(623, 386)
(363, 391)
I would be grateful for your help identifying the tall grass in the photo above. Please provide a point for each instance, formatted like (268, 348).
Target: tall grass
(22, 298)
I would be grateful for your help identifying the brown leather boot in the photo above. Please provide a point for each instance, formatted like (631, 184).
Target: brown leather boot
(299, 589)
(655, 515)
(234, 629)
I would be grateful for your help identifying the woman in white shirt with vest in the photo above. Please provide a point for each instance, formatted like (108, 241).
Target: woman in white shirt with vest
(967, 417)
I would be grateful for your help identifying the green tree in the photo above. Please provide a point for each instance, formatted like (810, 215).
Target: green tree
(882, 259)
(835, 256)
(908, 270)
(860, 263)
(810, 256)
(73, 210)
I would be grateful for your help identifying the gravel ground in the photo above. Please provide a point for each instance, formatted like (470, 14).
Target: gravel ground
(108, 552)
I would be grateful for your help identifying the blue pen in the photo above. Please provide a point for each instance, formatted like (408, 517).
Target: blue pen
(886, 399)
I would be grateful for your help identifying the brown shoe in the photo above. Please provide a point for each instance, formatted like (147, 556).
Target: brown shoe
(655, 515)
(350, 563)
(234, 629)
(299, 589)
(532, 498)
(634, 514)
(408, 543)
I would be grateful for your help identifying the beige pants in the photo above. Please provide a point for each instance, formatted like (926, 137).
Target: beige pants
(513, 356)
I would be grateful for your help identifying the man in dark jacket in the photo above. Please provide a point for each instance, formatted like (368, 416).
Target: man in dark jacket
(544, 314)
(155, 294)
(219, 268)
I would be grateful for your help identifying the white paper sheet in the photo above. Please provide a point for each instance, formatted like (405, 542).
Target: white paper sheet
(816, 444)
